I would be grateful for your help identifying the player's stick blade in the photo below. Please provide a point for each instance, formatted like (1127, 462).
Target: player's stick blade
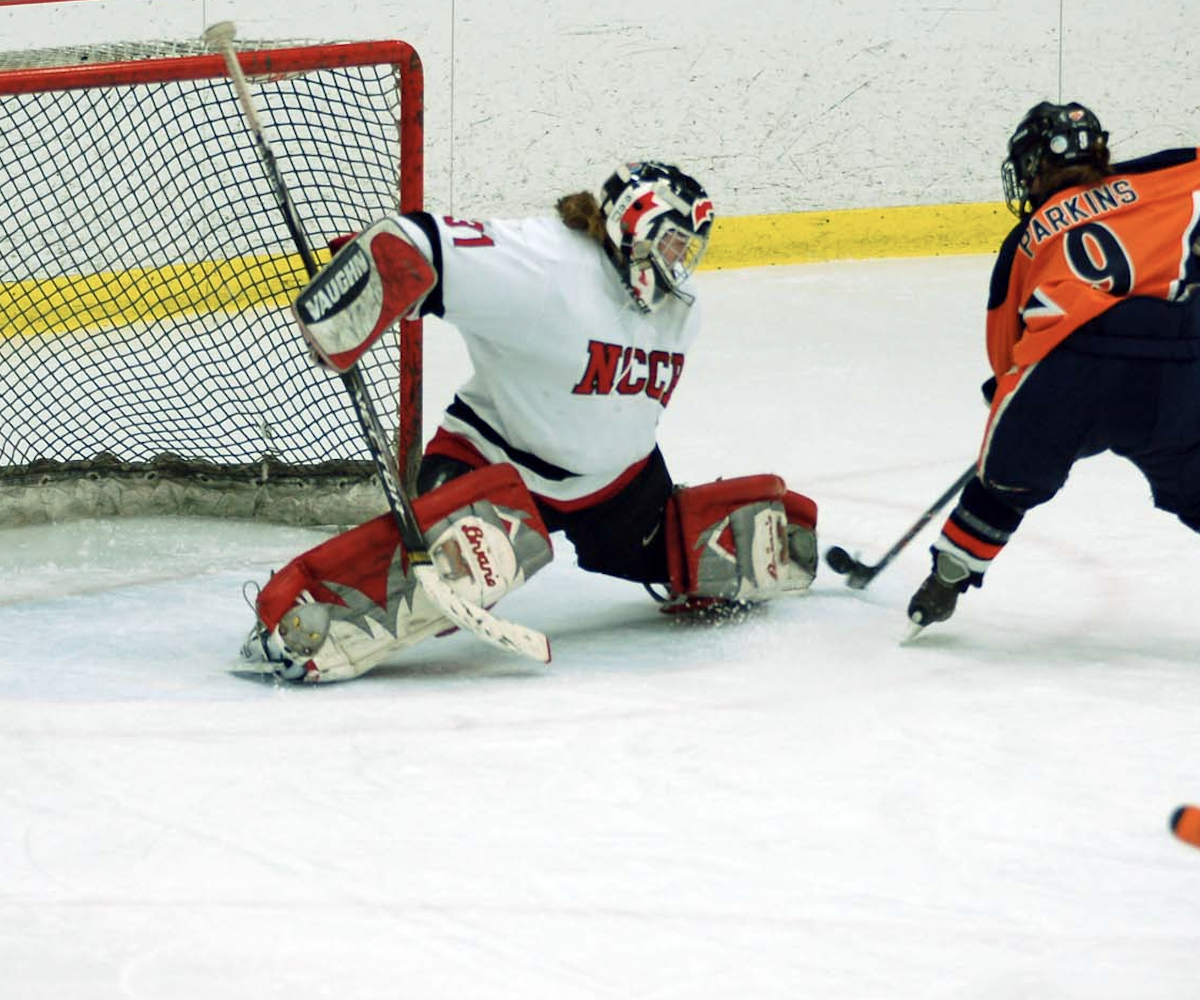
(857, 573)
(839, 560)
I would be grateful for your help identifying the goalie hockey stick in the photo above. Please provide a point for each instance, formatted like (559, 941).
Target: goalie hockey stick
(858, 574)
(464, 614)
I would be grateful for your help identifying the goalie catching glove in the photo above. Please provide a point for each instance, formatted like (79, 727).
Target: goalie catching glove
(374, 279)
(347, 605)
(737, 542)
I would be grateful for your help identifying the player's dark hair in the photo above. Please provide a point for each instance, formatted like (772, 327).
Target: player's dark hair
(581, 212)
(1052, 179)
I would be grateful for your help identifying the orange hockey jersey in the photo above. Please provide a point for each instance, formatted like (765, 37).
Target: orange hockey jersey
(1134, 234)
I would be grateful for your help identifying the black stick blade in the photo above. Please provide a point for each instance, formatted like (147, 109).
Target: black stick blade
(839, 560)
(858, 574)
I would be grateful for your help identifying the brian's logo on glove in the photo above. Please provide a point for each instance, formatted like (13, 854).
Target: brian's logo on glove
(474, 553)
(475, 538)
(339, 284)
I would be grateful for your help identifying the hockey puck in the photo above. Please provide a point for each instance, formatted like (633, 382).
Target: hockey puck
(1185, 824)
(839, 560)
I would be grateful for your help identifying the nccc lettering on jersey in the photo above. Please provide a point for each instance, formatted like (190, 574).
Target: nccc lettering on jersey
(629, 371)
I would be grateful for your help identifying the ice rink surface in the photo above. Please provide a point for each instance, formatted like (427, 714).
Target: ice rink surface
(795, 805)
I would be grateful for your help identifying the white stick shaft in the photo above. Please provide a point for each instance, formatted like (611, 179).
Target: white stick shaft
(238, 78)
(221, 36)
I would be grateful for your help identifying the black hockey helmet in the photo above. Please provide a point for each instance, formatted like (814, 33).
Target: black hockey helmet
(1048, 137)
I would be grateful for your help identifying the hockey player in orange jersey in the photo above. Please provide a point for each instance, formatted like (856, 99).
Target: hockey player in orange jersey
(1093, 335)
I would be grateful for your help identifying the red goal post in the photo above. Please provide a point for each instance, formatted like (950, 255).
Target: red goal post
(148, 360)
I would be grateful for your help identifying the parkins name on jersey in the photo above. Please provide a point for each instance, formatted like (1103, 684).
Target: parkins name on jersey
(629, 371)
(1079, 208)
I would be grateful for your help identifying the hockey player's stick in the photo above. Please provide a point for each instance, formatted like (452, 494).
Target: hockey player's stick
(858, 574)
(464, 614)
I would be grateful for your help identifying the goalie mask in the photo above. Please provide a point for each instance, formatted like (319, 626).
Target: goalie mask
(1050, 136)
(657, 222)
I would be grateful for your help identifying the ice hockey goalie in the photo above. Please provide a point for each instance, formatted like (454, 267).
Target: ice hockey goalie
(578, 329)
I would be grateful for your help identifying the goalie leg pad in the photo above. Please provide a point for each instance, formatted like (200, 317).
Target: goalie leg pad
(373, 280)
(485, 534)
(742, 540)
(350, 603)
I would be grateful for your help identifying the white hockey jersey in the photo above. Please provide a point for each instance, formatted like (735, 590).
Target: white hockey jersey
(570, 378)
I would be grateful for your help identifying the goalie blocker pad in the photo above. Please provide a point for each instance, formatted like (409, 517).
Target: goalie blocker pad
(374, 279)
(744, 540)
(343, 607)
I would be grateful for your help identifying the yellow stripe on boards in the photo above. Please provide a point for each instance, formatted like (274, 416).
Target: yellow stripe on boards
(76, 303)
(97, 301)
(857, 233)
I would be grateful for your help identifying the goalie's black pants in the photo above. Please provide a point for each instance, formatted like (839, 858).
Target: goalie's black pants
(1128, 382)
(622, 536)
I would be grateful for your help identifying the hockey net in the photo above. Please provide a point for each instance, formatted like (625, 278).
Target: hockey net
(149, 362)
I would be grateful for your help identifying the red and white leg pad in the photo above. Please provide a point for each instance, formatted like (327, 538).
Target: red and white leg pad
(374, 279)
(739, 540)
(345, 606)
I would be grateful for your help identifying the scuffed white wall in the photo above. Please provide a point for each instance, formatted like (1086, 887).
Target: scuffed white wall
(777, 105)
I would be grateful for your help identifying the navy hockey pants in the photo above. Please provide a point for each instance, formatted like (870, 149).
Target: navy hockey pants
(1128, 382)
(620, 537)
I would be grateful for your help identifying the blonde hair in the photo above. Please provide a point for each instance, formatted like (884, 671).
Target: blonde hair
(581, 212)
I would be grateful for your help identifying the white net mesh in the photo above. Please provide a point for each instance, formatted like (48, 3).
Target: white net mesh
(147, 353)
